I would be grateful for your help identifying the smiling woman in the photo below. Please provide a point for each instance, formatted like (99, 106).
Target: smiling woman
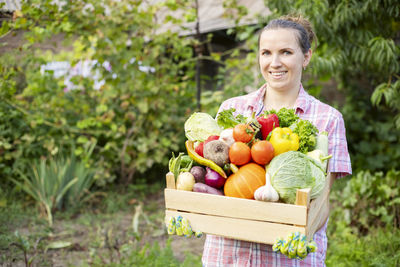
(284, 51)
(281, 61)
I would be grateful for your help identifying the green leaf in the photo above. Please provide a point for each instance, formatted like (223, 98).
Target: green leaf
(57, 245)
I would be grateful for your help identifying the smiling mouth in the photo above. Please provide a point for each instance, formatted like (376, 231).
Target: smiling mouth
(277, 74)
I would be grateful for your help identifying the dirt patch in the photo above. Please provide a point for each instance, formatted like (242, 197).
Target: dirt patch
(102, 235)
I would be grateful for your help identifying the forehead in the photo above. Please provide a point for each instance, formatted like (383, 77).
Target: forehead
(279, 38)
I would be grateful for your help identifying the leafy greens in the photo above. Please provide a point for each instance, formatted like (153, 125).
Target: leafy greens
(294, 170)
(226, 118)
(306, 131)
(199, 126)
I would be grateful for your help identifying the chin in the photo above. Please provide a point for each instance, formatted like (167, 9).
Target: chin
(279, 86)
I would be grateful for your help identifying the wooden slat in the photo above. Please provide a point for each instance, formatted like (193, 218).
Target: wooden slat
(314, 225)
(318, 209)
(170, 180)
(235, 207)
(248, 230)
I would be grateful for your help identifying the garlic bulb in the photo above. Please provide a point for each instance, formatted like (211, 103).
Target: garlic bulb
(266, 192)
(227, 136)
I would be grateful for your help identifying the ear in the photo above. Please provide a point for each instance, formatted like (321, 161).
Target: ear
(307, 58)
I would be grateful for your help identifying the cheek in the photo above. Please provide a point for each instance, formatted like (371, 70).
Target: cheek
(262, 62)
(295, 65)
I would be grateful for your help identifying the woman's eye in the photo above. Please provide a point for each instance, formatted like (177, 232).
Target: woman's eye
(266, 53)
(287, 52)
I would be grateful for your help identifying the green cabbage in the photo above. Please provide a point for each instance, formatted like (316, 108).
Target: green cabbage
(200, 126)
(294, 170)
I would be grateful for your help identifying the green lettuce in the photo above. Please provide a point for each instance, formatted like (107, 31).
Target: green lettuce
(199, 126)
(294, 170)
(226, 119)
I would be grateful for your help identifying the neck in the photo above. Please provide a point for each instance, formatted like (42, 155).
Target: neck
(276, 100)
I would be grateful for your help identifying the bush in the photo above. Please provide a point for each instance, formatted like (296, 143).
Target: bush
(368, 200)
(379, 248)
(135, 117)
(57, 183)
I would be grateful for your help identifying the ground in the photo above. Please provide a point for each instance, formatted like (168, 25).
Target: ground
(97, 235)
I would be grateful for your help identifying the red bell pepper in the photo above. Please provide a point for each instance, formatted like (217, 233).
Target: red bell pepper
(268, 123)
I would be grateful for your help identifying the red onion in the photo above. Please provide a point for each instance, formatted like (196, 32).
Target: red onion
(214, 179)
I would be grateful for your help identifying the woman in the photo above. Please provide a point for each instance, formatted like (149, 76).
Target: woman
(284, 51)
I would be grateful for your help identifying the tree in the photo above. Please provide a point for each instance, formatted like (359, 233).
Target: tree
(359, 47)
(135, 118)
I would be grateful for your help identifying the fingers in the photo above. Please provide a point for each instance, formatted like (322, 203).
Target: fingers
(186, 228)
(181, 226)
(179, 230)
(171, 227)
(302, 247)
(294, 246)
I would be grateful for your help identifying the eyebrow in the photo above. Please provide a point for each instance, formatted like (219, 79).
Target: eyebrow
(286, 48)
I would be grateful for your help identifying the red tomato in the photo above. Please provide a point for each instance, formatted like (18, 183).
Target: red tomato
(243, 133)
(211, 138)
(199, 149)
(262, 152)
(239, 153)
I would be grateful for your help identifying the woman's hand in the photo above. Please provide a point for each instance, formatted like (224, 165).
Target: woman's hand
(294, 246)
(181, 226)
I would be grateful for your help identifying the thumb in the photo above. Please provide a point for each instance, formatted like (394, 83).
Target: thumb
(171, 226)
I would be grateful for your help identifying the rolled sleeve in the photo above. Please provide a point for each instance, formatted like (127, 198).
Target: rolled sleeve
(340, 161)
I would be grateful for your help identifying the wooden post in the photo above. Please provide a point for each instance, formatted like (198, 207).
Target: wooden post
(170, 180)
(303, 197)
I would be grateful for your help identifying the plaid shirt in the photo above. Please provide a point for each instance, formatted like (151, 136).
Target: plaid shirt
(220, 251)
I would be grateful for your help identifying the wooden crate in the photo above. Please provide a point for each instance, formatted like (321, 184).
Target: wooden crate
(244, 219)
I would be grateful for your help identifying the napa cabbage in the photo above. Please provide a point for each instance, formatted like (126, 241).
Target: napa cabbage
(294, 170)
(199, 126)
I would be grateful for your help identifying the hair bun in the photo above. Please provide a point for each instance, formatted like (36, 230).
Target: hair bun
(299, 19)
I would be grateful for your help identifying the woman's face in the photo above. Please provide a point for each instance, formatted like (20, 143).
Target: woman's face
(281, 59)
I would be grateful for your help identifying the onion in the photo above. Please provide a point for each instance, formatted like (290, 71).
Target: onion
(214, 179)
(198, 173)
(185, 181)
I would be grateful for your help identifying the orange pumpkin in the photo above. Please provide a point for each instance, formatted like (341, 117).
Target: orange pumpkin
(245, 181)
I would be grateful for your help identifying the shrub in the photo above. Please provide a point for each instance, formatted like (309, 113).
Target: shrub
(379, 248)
(368, 200)
(135, 117)
(57, 183)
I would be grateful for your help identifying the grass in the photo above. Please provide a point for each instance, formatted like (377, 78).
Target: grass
(380, 248)
(103, 232)
(124, 227)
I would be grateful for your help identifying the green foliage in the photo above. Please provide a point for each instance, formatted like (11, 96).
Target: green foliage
(371, 136)
(379, 248)
(368, 200)
(61, 182)
(136, 118)
(357, 48)
(364, 221)
(22, 243)
(149, 255)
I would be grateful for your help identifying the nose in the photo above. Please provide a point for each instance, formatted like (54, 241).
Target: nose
(276, 61)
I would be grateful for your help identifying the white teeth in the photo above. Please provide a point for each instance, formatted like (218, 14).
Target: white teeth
(277, 73)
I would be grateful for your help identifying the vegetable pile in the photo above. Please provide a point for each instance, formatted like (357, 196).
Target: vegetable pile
(265, 158)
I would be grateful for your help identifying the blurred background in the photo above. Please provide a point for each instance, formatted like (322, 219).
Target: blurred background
(94, 95)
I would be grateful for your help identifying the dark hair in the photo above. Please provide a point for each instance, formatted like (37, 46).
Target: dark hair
(305, 35)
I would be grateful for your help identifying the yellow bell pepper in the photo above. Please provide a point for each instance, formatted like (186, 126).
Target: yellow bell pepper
(283, 140)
